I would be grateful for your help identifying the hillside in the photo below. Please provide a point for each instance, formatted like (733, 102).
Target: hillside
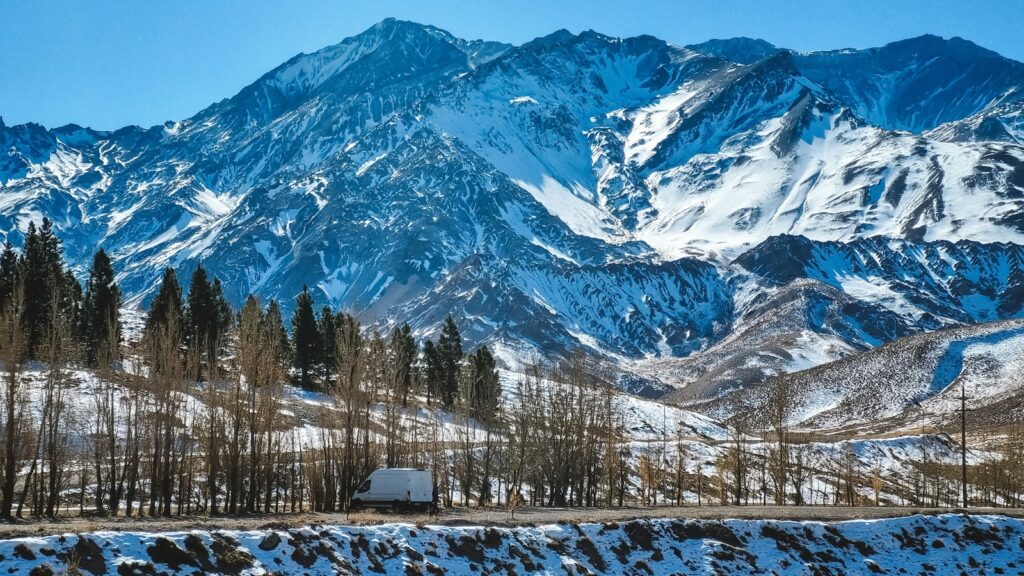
(912, 382)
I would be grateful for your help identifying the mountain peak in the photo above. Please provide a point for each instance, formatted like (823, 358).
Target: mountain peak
(398, 48)
(741, 49)
(395, 28)
(556, 38)
(931, 46)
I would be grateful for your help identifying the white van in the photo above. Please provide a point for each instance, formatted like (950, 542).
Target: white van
(397, 489)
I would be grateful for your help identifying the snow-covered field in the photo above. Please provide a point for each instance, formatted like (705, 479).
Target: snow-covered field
(651, 428)
(937, 545)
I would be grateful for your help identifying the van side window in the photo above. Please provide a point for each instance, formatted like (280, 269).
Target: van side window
(365, 486)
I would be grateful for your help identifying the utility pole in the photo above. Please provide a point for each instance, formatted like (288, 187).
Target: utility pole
(963, 442)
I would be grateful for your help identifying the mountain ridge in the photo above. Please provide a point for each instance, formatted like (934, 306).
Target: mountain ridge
(578, 190)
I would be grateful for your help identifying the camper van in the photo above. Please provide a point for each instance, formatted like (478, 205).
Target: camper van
(397, 489)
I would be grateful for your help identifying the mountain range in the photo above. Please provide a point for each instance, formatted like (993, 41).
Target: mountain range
(713, 216)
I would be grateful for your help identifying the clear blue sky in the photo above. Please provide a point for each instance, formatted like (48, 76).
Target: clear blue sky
(105, 63)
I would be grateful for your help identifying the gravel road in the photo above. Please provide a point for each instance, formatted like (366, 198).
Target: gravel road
(462, 517)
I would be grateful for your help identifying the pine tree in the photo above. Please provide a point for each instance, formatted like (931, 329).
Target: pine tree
(275, 339)
(327, 325)
(224, 316)
(275, 325)
(42, 273)
(71, 307)
(101, 326)
(9, 276)
(200, 319)
(305, 339)
(432, 370)
(403, 350)
(164, 321)
(485, 389)
(449, 348)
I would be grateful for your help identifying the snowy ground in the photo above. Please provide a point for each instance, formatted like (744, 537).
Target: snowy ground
(945, 544)
(652, 428)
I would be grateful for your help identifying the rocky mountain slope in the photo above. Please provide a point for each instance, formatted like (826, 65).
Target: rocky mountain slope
(801, 303)
(642, 200)
(915, 84)
(909, 383)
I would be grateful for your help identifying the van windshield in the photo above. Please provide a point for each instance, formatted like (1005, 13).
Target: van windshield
(365, 486)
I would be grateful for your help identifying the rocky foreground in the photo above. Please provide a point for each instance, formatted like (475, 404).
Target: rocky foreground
(943, 544)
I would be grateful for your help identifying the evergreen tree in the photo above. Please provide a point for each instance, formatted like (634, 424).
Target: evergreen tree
(403, 350)
(305, 339)
(200, 320)
(275, 332)
(485, 388)
(101, 325)
(9, 276)
(72, 306)
(449, 349)
(432, 370)
(328, 345)
(224, 316)
(43, 277)
(165, 318)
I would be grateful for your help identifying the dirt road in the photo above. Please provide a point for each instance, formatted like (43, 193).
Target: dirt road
(462, 517)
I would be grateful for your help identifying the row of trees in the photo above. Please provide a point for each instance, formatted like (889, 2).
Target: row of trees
(195, 417)
(39, 293)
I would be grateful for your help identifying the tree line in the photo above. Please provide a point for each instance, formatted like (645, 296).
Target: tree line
(195, 417)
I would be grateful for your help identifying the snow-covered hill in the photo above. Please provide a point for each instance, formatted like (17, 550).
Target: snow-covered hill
(946, 544)
(578, 190)
(911, 383)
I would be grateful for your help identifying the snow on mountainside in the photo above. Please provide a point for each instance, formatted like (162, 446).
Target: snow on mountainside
(909, 383)
(918, 83)
(578, 190)
(741, 50)
(801, 303)
(1004, 123)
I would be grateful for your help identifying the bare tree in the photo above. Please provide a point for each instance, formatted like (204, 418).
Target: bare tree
(12, 347)
(778, 409)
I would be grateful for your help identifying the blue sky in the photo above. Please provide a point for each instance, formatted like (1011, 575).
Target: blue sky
(105, 63)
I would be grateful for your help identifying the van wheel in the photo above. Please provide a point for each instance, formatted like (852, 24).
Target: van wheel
(356, 504)
(396, 507)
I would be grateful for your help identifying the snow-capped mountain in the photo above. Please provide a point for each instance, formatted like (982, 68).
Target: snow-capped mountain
(741, 50)
(918, 83)
(915, 85)
(624, 195)
(801, 303)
